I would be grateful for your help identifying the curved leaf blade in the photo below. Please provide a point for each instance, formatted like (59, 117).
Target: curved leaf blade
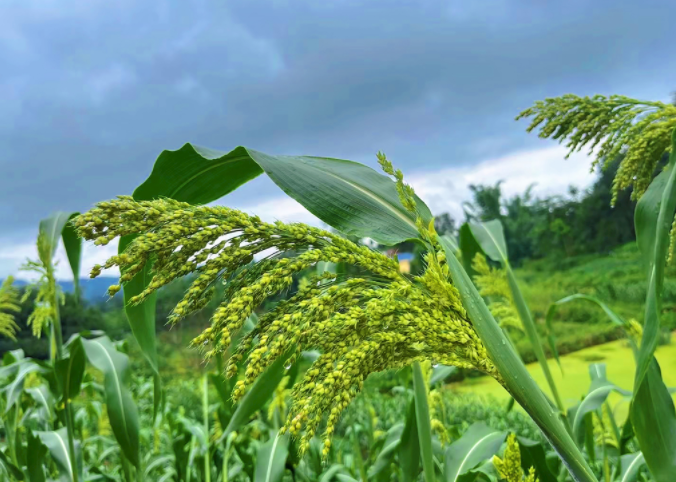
(57, 226)
(386, 454)
(533, 455)
(631, 465)
(654, 420)
(595, 398)
(348, 196)
(476, 445)
(653, 218)
(409, 447)
(422, 413)
(257, 396)
(36, 452)
(271, 459)
(121, 408)
(518, 381)
(491, 238)
(57, 445)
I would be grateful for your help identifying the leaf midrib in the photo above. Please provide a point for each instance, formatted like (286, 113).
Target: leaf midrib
(464, 460)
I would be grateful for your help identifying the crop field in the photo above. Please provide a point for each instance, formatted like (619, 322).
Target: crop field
(532, 342)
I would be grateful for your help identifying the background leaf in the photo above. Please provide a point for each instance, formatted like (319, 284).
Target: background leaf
(409, 448)
(652, 408)
(491, 238)
(630, 466)
(257, 396)
(271, 459)
(517, 380)
(476, 445)
(36, 455)
(57, 445)
(422, 413)
(121, 408)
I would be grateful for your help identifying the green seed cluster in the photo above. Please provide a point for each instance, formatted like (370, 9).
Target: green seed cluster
(493, 285)
(617, 125)
(44, 311)
(359, 325)
(509, 467)
(9, 305)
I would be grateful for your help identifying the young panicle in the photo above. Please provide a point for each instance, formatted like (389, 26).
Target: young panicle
(492, 283)
(360, 325)
(44, 312)
(641, 130)
(9, 306)
(509, 467)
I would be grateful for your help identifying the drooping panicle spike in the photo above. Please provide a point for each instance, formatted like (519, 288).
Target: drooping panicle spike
(359, 325)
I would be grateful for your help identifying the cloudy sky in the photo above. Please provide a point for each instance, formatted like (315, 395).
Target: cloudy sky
(92, 91)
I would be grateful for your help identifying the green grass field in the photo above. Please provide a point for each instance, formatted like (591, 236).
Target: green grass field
(573, 383)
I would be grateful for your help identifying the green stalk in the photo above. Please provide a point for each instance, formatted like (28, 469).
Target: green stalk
(205, 414)
(529, 326)
(422, 415)
(224, 468)
(58, 343)
(356, 449)
(11, 435)
(516, 379)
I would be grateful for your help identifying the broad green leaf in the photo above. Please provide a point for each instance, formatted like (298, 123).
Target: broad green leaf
(12, 469)
(142, 321)
(43, 397)
(70, 370)
(652, 409)
(533, 455)
(490, 236)
(596, 396)
(409, 447)
(36, 455)
(56, 227)
(346, 195)
(57, 445)
(422, 413)
(271, 459)
(386, 454)
(121, 408)
(477, 444)
(630, 466)
(653, 218)
(654, 420)
(468, 247)
(73, 245)
(517, 379)
(14, 390)
(257, 396)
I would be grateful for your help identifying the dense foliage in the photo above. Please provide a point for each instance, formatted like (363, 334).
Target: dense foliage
(344, 330)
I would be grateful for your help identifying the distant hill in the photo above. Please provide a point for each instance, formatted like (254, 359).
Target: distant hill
(93, 290)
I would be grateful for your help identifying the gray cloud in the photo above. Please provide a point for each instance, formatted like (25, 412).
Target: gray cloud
(91, 92)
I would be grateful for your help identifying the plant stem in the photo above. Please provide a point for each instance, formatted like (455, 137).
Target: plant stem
(356, 450)
(517, 381)
(58, 343)
(205, 414)
(529, 326)
(422, 414)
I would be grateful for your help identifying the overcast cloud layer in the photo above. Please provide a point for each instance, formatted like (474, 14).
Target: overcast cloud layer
(91, 92)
